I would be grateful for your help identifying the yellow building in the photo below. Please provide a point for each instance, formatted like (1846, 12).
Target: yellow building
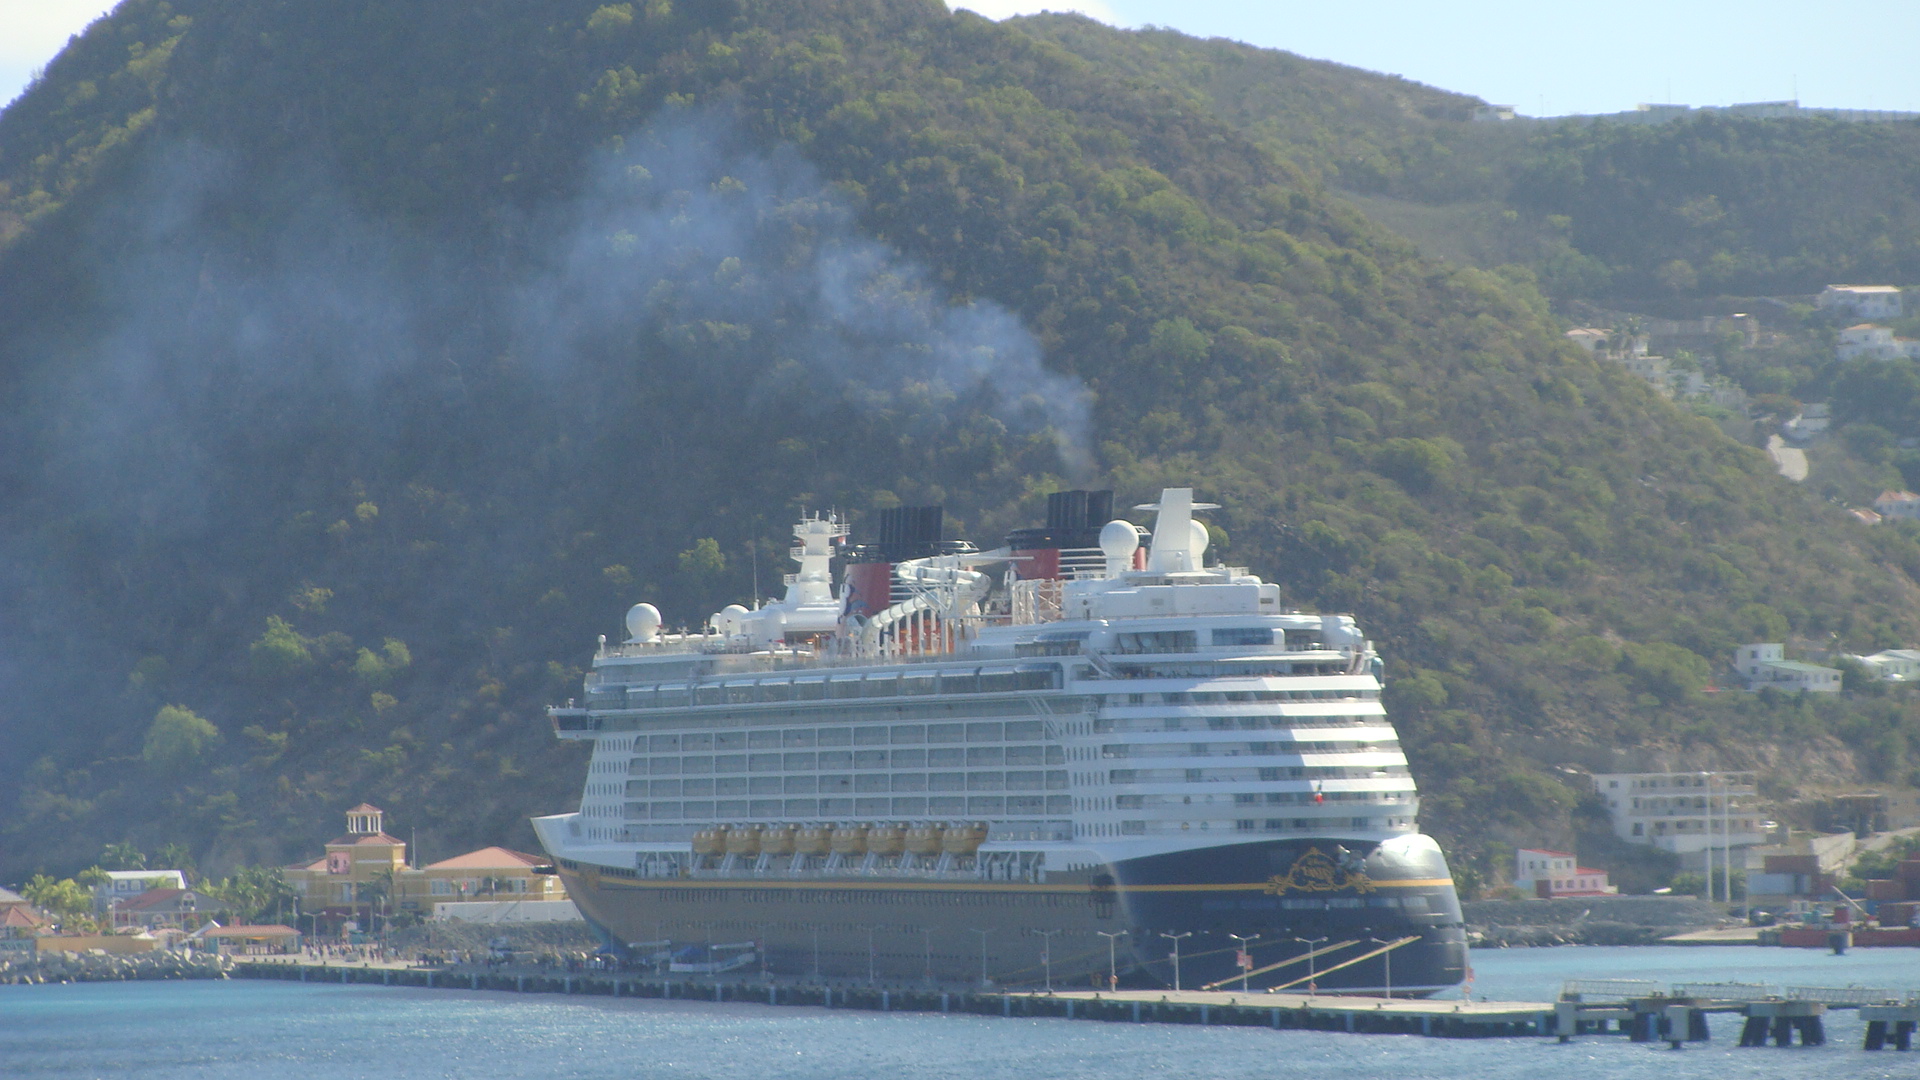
(364, 876)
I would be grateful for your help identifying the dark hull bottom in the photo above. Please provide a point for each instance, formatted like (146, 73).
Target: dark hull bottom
(1022, 934)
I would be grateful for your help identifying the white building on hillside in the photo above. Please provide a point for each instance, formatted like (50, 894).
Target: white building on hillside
(1546, 873)
(1765, 664)
(1873, 342)
(1683, 812)
(1864, 301)
(1893, 665)
(127, 884)
(1898, 504)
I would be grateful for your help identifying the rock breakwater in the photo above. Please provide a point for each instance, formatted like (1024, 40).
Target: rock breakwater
(60, 967)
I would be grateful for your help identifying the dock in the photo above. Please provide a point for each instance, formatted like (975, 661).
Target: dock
(1641, 1010)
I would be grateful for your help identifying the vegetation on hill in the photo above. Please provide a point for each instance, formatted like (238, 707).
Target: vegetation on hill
(363, 360)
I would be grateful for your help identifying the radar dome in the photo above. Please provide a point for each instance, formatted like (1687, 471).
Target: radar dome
(730, 619)
(1119, 540)
(643, 623)
(1199, 542)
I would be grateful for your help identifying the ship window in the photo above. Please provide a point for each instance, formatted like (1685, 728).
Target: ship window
(917, 682)
(986, 781)
(881, 686)
(665, 810)
(836, 783)
(764, 808)
(946, 805)
(1026, 781)
(775, 690)
(1025, 755)
(797, 737)
(696, 787)
(696, 742)
(701, 763)
(909, 759)
(763, 740)
(946, 733)
(1024, 730)
(730, 763)
(671, 695)
(909, 733)
(710, 694)
(1133, 828)
(870, 759)
(796, 762)
(986, 755)
(836, 736)
(800, 785)
(836, 807)
(763, 762)
(910, 807)
(870, 736)
(992, 804)
(809, 689)
(802, 807)
(986, 732)
(946, 781)
(665, 766)
(660, 743)
(763, 785)
(836, 759)
(944, 757)
(909, 781)
(870, 807)
(637, 766)
(1244, 635)
(959, 682)
(741, 693)
(1026, 804)
(730, 740)
(636, 787)
(869, 782)
(847, 687)
(998, 682)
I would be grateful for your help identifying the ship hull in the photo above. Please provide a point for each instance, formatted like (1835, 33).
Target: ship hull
(1343, 897)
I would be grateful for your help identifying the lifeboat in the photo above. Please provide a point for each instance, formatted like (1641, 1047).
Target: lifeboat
(777, 840)
(744, 840)
(850, 840)
(812, 840)
(710, 841)
(924, 839)
(963, 839)
(889, 839)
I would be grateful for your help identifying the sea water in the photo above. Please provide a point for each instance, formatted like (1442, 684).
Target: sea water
(311, 1031)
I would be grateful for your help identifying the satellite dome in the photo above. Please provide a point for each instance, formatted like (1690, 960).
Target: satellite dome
(1119, 540)
(643, 623)
(1199, 542)
(730, 619)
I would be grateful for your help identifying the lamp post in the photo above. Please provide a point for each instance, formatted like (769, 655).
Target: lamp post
(1046, 955)
(1113, 973)
(1310, 943)
(1175, 938)
(1388, 957)
(1244, 957)
(983, 953)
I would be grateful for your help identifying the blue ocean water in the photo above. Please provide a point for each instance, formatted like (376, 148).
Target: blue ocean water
(245, 1029)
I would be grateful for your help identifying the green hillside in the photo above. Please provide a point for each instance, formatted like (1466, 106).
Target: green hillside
(363, 361)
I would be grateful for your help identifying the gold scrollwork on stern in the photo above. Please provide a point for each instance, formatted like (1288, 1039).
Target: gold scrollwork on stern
(1315, 871)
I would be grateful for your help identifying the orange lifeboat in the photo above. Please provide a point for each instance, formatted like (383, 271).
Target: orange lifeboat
(812, 840)
(963, 839)
(888, 839)
(924, 839)
(777, 840)
(710, 841)
(850, 840)
(744, 841)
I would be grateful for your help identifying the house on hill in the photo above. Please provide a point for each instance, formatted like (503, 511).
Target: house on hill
(127, 884)
(1873, 342)
(1547, 873)
(1893, 665)
(1904, 505)
(1765, 664)
(1862, 301)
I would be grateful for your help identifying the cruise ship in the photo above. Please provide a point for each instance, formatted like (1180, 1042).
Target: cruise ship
(1083, 758)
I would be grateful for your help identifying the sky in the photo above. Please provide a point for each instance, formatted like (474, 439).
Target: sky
(1546, 57)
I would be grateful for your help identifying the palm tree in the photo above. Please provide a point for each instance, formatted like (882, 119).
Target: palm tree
(123, 856)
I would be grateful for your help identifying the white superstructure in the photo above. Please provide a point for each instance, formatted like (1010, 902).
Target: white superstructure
(1107, 714)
